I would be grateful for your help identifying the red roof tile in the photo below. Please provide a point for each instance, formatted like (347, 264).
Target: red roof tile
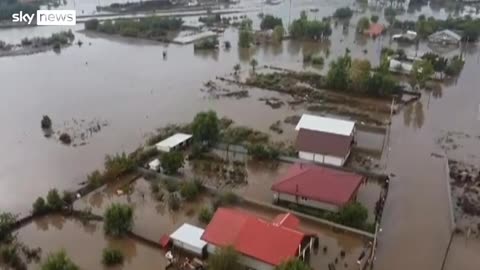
(287, 220)
(319, 183)
(254, 237)
(323, 143)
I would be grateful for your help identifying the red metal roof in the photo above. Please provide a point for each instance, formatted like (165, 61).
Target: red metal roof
(287, 220)
(319, 183)
(269, 242)
(375, 30)
(323, 143)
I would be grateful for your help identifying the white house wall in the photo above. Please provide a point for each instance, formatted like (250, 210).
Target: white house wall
(331, 160)
(308, 202)
(187, 247)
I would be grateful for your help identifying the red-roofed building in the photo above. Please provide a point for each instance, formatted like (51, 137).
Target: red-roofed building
(318, 187)
(262, 244)
(375, 30)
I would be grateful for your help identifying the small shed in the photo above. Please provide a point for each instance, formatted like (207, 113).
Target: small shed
(188, 238)
(154, 165)
(445, 37)
(174, 142)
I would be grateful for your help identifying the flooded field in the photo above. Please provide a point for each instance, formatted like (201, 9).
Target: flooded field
(84, 244)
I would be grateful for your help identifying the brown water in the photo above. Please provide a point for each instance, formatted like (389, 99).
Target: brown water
(127, 83)
(84, 244)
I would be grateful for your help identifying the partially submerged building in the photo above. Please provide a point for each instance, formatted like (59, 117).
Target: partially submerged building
(318, 187)
(324, 140)
(188, 238)
(445, 37)
(174, 142)
(375, 30)
(408, 36)
(262, 244)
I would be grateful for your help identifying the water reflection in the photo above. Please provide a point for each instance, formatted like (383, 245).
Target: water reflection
(414, 112)
(56, 221)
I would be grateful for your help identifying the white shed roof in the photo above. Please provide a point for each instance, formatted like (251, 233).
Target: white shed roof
(325, 124)
(189, 234)
(154, 163)
(173, 140)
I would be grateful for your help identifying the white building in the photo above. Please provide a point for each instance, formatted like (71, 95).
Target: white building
(154, 165)
(445, 37)
(324, 140)
(188, 238)
(173, 142)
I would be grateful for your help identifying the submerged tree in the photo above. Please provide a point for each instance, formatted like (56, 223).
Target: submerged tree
(422, 71)
(59, 261)
(254, 64)
(46, 122)
(206, 128)
(7, 220)
(171, 162)
(118, 220)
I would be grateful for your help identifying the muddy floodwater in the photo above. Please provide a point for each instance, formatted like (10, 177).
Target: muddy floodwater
(127, 83)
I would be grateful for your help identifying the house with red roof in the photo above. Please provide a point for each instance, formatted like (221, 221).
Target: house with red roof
(262, 244)
(324, 140)
(317, 186)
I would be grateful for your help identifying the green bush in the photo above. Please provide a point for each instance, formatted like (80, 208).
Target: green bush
(40, 206)
(189, 190)
(353, 215)
(269, 22)
(318, 60)
(7, 220)
(225, 199)
(118, 220)
(91, 24)
(59, 261)
(173, 202)
(171, 185)
(95, 179)
(54, 201)
(112, 257)
(9, 255)
(171, 162)
(343, 13)
(259, 151)
(205, 215)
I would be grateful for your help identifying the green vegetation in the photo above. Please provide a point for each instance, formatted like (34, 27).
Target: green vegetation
(254, 64)
(95, 179)
(92, 24)
(57, 39)
(117, 165)
(111, 257)
(206, 44)
(46, 122)
(303, 28)
(53, 202)
(40, 206)
(224, 258)
(269, 22)
(343, 13)
(236, 69)
(173, 202)
(65, 138)
(205, 215)
(214, 19)
(226, 198)
(171, 162)
(422, 71)
(245, 34)
(190, 189)
(206, 128)
(454, 66)
(153, 27)
(468, 27)
(390, 13)
(278, 33)
(363, 24)
(59, 261)
(171, 185)
(314, 59)
(7, 221)
(293, 264)
(10, 256)
(118, 220)
(263, 152)
(239, 134)
(140, 156)
(374, 18)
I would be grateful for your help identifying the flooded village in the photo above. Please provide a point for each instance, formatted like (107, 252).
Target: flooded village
(247, 134)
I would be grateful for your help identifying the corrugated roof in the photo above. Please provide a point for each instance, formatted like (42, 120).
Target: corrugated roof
(189, 234)
(319, 183)
(326, 124)
(323, 143)
(174, 140)
(252, 236)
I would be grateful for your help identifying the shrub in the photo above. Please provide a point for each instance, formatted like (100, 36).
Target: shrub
(112, 257)
(118, 220)
(269, 22)
(343, 13)
(354, 215)
(189, 190)
(46, 122)
(171, 185)
(68, 197)
(39, 206)
(95, 179)
(259, 151)
(54, 201)
(374, 18)
(7, 220)
(91, 24)
(205, 215)
(58, 261)
(9, 255)
(65, 138)
(318, 60)
(173, 202)
(171, 162)
(225, 199)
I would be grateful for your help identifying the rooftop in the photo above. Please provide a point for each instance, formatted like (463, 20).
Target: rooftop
(173, 140)
(326, 124)
(319, 183)
(447, 32)
(189, 234)
(255, 237)
(323, 143)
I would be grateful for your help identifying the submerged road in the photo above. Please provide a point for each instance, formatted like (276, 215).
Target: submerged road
(417, 221)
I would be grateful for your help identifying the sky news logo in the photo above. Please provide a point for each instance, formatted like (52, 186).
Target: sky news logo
(47, 17)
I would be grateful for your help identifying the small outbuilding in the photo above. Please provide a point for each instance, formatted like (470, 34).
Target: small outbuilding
(174, 142)
(154, 165)
(324, 140)
(188, 238)
(318, 187)
(447, 37)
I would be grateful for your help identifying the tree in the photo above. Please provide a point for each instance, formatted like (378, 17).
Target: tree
(374, 18)
(245, 35)
(206, 127)
(360, 73)
(269, 22)
(343, 13)
(112, 257)
(236, 69)
(205, 215)
(363, 24)
(338, 75)
(278, 33)
(117, 165)
(422, 71)
(293, 264)
(118, 220)
(224, 259)
(39, 206)
(171, 162)
(91, 24)
(189, 190)
(46, 122)
(7, 220)
(254, 64)
(59, 261)
(54, 200)
(353, 215)
(454, 66)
